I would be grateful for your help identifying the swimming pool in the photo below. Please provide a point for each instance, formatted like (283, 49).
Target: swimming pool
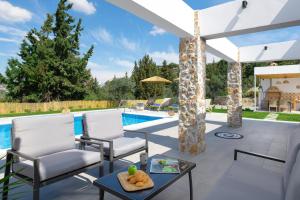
(127, 119)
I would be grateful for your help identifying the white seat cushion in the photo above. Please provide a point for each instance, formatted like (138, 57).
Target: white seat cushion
(124, 145)
(58, 163)
(38, 136)
(103, 124)
(245, 181)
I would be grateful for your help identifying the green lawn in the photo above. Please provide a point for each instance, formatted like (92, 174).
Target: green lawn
(219, 110)
(255, 115)
(288, 117)
(43, 113)
(246, 114)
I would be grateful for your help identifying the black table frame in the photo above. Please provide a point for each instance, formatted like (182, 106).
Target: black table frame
(103, 188)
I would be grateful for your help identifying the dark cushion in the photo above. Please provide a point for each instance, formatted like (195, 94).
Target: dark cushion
(293, 186)
(245, 181)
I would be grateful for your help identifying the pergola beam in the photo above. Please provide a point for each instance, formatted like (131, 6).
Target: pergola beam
(179, 21)
(288, 50)
(231, 18)
(175, 16)
(223, 48)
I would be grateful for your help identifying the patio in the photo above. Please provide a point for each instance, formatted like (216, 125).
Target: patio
(210, 165)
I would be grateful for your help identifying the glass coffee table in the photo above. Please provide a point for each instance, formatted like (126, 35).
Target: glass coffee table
(111, 184)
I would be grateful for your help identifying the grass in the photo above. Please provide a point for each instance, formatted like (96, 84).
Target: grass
(246, 114)
(219, 110)
(288, 117)
(28, 114)
(255, 115)
(44, 113)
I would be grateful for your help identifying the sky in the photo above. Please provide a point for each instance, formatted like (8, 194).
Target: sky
(119, 37)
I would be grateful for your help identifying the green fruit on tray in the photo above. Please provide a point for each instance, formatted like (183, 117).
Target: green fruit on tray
(132, 169)
(163, 162)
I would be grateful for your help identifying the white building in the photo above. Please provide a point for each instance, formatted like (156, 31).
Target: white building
(279, 87)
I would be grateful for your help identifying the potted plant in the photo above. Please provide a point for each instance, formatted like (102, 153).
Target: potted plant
(171, 111)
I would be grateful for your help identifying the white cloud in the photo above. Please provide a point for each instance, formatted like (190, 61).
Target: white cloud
(12, 31)
(104, 73)
(83, 6)
(122, 63)
(173, 57)
(169, 56)
(11, 13)
(210, 58)
(157, 31)
(9, 40)
(127, 44)
(102, 35)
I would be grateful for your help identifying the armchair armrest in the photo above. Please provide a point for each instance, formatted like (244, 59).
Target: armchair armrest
(143, 132)
(21, 155)
(236, 151)
(97, 139)
(95, 143)
(137, 131)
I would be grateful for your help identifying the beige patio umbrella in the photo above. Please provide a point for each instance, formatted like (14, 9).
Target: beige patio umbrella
(156, 80)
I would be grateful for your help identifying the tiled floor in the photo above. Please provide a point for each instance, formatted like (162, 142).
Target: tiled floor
(259, 136)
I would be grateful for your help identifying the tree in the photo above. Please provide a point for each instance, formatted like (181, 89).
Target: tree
(50, 66)
(216, 84)
(119, 88)
(170, 72)
(143, 69)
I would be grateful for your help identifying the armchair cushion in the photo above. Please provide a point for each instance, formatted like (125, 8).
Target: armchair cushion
(292, 191)
(124, 145)
(248, 182)
(58, 163)
(103, 125)
(121, 145)
(293, 147)
(43, 135)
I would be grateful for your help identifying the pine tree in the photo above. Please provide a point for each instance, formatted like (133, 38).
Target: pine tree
(51, 68)
(145, 68)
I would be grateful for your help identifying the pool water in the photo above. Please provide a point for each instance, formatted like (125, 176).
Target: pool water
(127, 119)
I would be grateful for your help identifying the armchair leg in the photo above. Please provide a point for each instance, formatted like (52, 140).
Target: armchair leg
(101, 170)
(5, 188)
(36, 193)
(111, 166)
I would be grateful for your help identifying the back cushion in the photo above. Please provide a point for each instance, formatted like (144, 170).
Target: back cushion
(292, 150)
(43, 135)
(293, 185)
(103, 124)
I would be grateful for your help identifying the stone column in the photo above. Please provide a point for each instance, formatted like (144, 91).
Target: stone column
(234, 88)
(192, 63)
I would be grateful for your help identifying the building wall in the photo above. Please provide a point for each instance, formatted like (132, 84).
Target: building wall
(286, 88)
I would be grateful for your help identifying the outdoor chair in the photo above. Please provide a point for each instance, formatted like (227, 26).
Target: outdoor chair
(44, 151)
(106, 127)
(140, 106)
(284, 105)
(273, 104)
(249, 181)
(160, 103)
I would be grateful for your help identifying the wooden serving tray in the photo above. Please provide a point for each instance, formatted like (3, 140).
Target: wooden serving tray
(128, 187)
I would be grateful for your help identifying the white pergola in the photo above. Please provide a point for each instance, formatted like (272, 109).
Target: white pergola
(205, 30)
